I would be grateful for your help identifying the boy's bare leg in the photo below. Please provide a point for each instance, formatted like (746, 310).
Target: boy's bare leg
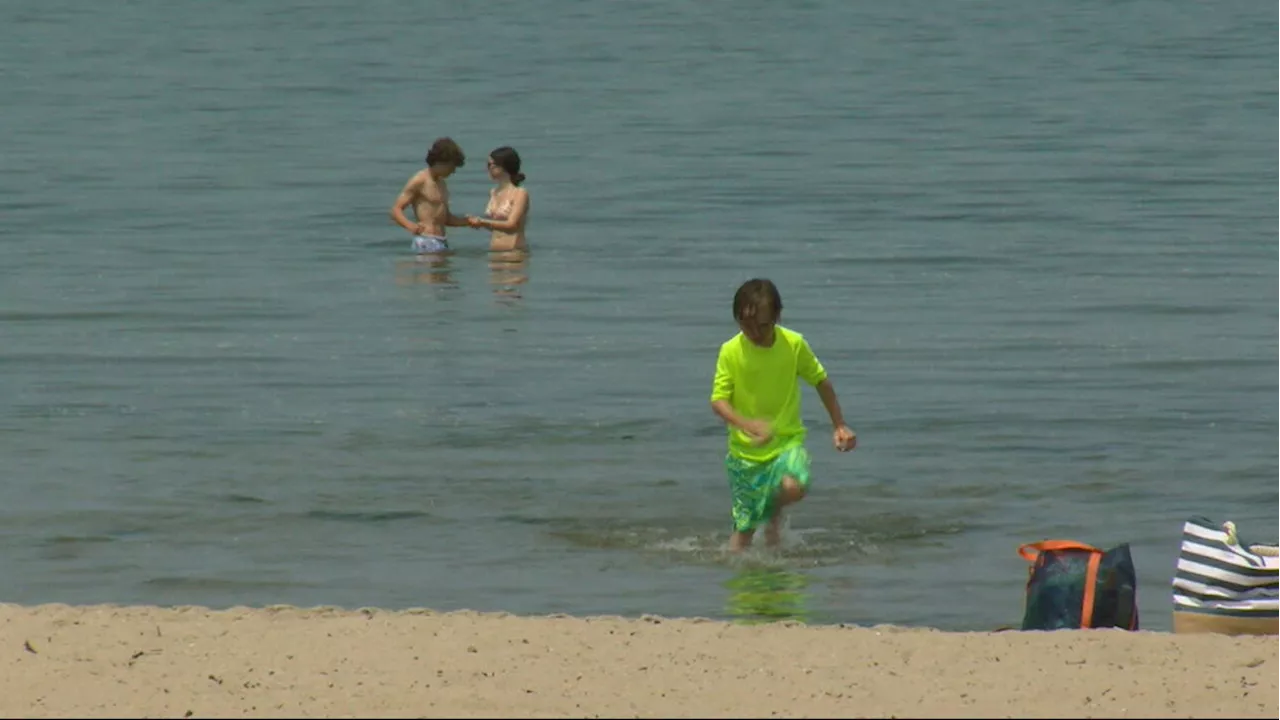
(773, 531)
(739, 541)
(789, 493)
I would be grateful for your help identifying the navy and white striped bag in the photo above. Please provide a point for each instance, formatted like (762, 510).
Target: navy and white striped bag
(1220, 579)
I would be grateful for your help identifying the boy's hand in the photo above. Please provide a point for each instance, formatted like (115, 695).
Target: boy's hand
(844, 438)
(758, 430)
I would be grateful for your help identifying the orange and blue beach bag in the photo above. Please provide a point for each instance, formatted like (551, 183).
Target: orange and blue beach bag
(1073, 585)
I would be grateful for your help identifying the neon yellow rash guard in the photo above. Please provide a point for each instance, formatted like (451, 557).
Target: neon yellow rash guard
(762, 383)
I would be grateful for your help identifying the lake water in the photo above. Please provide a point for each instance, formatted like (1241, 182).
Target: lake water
(1035, 246)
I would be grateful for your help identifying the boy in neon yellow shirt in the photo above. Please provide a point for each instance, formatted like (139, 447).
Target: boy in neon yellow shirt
(757, 393)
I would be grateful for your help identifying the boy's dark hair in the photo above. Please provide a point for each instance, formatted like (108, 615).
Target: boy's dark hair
(445, 150)
(756, 296)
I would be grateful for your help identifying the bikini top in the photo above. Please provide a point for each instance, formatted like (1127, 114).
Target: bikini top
(498, 210)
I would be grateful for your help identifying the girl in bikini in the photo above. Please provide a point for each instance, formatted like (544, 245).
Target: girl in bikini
(508, 207)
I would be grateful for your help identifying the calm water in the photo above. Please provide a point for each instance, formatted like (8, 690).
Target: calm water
(1034, 244)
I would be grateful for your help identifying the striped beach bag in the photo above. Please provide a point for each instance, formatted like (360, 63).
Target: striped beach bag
(1222, 585)
(1073, 585)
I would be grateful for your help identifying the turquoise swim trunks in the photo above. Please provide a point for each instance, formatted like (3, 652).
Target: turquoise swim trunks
(756, 484)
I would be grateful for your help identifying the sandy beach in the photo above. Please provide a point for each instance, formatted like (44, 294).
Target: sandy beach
(275, 662)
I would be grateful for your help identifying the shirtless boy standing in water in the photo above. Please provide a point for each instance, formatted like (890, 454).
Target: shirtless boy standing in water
(427, 192)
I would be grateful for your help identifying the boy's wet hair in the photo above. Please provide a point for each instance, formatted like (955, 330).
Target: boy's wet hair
(445, 150)
(757, 297)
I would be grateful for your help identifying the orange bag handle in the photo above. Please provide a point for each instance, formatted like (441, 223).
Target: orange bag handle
(1090, 590)
(1031, 551)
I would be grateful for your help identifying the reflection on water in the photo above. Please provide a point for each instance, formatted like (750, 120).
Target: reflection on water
(427, 268)
(508, 271)
(767, 594)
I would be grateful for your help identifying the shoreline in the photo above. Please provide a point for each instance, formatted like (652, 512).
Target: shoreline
(276, 661)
